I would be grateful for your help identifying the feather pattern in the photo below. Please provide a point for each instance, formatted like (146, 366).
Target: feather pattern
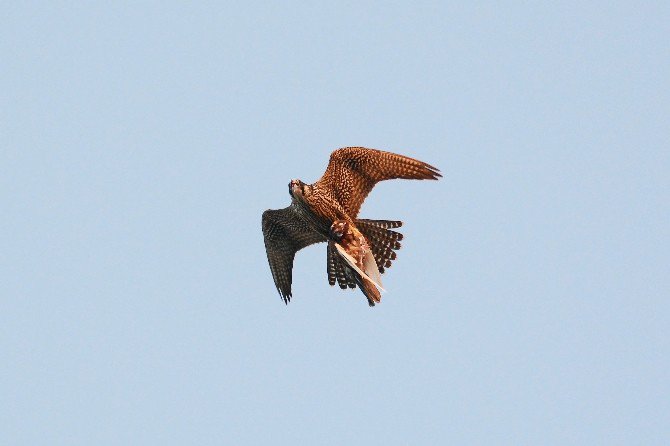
(384, 241)
(284, 234)
(352, 172)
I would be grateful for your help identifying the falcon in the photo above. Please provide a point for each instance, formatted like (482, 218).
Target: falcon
(358, 250)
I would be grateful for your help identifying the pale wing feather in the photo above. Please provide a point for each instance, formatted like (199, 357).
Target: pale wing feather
(369, 265)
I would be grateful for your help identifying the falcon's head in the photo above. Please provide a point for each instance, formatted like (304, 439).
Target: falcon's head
(296, 189)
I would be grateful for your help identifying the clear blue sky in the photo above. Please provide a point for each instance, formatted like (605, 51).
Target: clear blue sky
(140, 144)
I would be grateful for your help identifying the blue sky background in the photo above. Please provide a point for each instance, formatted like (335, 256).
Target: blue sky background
(141, 142)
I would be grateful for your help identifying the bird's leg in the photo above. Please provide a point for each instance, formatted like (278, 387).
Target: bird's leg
(338, 230)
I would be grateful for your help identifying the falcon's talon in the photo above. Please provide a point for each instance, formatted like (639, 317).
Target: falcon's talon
(338, 229)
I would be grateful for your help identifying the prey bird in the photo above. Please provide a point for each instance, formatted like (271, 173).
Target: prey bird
(358, 250)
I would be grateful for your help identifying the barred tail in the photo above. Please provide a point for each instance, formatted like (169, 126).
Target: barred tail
(337, 270)
(383, 240)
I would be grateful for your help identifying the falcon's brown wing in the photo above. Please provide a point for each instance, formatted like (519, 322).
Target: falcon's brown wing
(285, 233)
(352, 172)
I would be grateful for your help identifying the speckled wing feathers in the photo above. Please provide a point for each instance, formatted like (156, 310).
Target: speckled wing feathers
(352, 172)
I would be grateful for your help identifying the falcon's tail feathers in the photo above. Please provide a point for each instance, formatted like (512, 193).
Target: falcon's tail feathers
(336, 269)
(383, 240)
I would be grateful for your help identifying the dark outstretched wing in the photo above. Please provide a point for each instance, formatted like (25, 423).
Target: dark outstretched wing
(285, 233)
(352, 172)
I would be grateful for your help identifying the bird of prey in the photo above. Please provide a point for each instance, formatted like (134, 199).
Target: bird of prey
(327, 211)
